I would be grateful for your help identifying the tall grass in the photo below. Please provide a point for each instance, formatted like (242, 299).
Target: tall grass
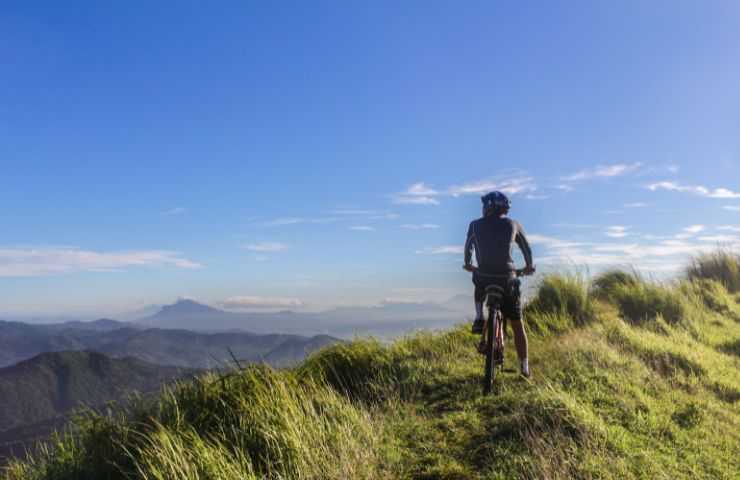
(640, 301)
(561, 302)
(722, 266)
(257, 423)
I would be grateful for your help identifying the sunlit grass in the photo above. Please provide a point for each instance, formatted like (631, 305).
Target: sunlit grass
(632, 379)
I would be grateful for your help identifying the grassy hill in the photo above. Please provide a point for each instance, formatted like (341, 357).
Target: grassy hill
(631, 379)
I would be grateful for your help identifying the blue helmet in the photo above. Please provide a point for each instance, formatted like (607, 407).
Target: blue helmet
(495, 202)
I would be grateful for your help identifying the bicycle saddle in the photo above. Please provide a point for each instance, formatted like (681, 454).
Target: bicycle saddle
(495, 291)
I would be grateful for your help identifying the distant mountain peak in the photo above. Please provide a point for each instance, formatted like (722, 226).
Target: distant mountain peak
(186, 306)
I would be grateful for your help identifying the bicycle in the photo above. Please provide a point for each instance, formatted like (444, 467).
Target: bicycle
(494, 326)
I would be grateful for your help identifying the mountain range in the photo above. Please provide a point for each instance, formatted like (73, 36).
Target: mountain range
(386, 319)
(37, 394)
(177, 347)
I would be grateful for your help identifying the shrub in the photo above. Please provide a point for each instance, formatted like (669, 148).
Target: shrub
(360, 369)
(721, 266)
(606, 285)
(561, 302)
(638, 300)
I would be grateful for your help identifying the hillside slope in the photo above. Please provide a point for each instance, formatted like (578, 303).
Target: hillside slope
(37, 393)
(631, 380)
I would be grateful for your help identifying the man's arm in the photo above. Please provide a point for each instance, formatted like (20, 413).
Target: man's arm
(469, 242)
(521, 240)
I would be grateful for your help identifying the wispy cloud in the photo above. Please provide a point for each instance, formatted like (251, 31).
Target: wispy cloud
(354, 212)
(694, 189)
(690, 231)
(415, 200)
(417, 194)
(282, 221)
(603, 171)
(251, 301)
(442, 250)
(636, 205)
(266, 247)
(722, 239)
(362, 228)
(175, 211)
(44, 261)
(421, 193)
(553, 242)
(656, 254)
(420, 226)
(510, 186)
(729, 228)
(732, 208)
(616, 231)
(370, 214)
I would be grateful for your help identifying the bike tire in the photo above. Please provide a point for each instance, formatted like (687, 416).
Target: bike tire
(490, 372)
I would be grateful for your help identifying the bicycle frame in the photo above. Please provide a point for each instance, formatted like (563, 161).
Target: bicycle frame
(493, 329)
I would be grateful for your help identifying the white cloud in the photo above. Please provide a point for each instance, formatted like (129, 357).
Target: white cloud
(282, 221)
(511, 186)
(252, 301)
(694, 189)
(531, 196)
(415, 200)
(635, 205)
(175, 211)
(442, 250)
(729, 228)
(43, 261)
(657, 255)
(265, 247)
(354, 212)
(385, 216)
(732, 208)
(362, 228)
(694, 229)
(725, 239)
(552, 242)
(370, 214)
(564, 187)
(422, 194)
(420, 226)
(616, 231)
(614, 170)
(421, 189)
(690, 231)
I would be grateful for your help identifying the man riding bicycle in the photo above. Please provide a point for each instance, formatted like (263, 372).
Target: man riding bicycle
(492, 237)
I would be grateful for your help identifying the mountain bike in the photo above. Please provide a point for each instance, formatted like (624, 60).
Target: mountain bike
(494, 326)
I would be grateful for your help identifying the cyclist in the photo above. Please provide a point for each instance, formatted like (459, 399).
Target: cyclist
(492, 237)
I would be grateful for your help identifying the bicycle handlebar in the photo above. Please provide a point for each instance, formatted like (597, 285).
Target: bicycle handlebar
(520, 272)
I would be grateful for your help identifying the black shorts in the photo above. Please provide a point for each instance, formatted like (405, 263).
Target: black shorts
(511, 305)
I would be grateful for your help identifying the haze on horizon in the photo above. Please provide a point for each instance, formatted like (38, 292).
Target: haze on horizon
(307, 156)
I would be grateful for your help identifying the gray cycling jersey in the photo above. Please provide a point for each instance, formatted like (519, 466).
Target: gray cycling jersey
(493, 238)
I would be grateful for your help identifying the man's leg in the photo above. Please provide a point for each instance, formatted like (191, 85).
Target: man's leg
(478, 296)
(522, 347)
(514, 314)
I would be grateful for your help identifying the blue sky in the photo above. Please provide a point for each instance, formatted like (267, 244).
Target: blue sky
(322, 153)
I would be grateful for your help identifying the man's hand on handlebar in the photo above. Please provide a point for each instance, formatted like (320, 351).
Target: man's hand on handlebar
(528, 270)
(468, 267)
